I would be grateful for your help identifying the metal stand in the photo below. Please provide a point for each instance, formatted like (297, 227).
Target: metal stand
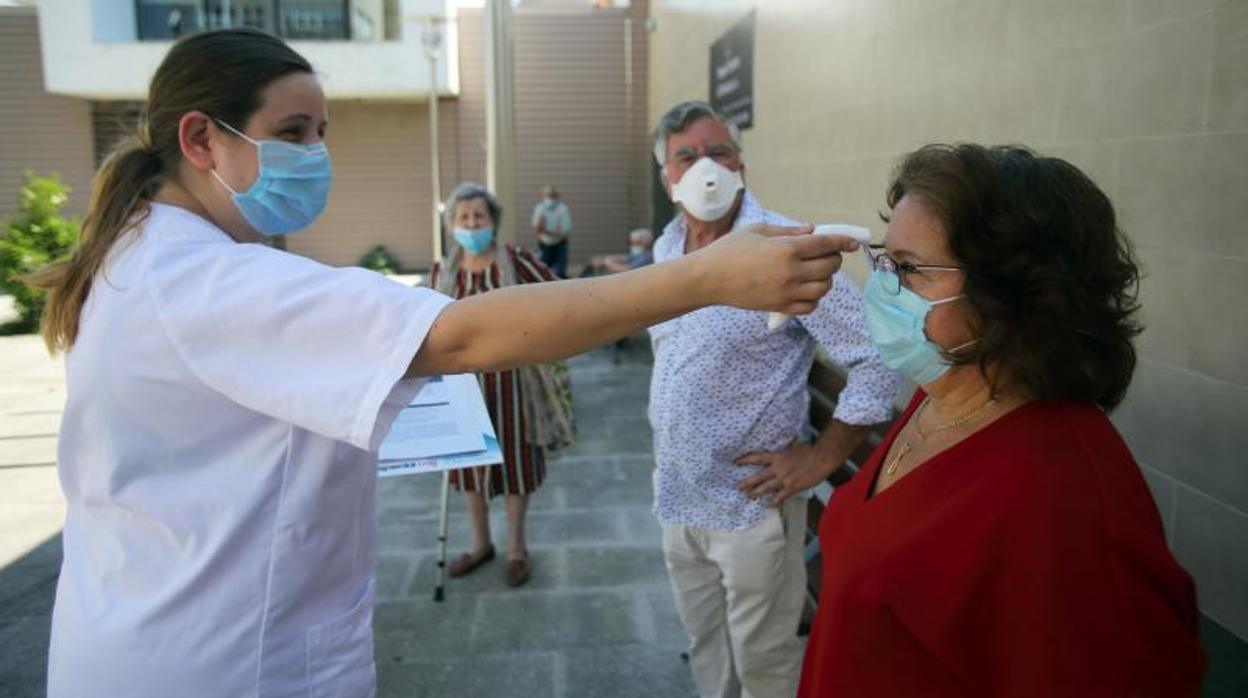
(438, 592)
(432, 40)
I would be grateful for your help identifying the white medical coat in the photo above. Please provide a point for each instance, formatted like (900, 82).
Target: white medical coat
(218, 456)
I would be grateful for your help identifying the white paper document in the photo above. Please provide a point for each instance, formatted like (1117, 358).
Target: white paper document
(445, 427)
(435, 391)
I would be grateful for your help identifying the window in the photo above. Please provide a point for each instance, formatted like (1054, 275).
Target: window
(325, 20)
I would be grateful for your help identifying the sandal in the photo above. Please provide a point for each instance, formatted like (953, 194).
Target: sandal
(517, 572)
(468, 562)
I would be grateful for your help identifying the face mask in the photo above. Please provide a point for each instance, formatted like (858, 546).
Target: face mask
(637, 249)
(474, 240)
(290, 189)
(896, 321)
(707, 190)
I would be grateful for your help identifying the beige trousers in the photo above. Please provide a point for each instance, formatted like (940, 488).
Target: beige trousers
(740, 596)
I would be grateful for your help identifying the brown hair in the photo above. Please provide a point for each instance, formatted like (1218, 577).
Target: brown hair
(1051, 280)
(220, 73)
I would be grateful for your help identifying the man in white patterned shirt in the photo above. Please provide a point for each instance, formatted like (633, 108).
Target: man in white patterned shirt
(728, 406)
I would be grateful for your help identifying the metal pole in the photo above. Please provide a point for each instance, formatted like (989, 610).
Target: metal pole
(630, 147)
(433, 44)
(439, 592)
(500, 111)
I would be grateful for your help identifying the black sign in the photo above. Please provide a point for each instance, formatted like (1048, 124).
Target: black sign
(732, 72)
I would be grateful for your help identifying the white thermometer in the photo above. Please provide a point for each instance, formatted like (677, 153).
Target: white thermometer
(855, 232)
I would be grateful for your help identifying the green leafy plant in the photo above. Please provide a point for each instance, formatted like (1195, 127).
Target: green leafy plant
(379, 259)
(35, 234)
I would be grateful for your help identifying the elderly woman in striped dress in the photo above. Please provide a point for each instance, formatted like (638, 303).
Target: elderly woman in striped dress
(529, 409)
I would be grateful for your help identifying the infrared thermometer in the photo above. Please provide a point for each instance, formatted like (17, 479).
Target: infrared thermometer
(854, 232)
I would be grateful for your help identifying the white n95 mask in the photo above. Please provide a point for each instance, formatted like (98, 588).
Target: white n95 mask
(707, 190)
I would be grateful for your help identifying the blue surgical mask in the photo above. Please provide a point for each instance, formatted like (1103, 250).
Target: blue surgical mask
(290, 189)
(896, 322)
(474, 240)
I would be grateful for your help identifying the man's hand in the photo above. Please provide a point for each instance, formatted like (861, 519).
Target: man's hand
(800, 466)
(785, 473)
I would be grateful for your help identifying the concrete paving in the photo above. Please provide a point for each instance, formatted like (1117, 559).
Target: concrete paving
(32, 395)
(596, 619)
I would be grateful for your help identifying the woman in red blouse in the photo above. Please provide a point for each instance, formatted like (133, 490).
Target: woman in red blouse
(1001, 541)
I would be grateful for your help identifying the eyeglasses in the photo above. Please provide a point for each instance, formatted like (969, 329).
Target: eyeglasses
(896, 273)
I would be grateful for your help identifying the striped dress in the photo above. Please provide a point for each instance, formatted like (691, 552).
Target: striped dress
(524, 465)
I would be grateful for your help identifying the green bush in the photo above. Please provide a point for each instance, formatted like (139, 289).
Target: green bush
(34, 235)
(379, 259)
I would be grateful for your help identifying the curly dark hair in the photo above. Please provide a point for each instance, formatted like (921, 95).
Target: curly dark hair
(1051, 281)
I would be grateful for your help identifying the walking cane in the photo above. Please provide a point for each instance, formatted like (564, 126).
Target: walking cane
(438, 593)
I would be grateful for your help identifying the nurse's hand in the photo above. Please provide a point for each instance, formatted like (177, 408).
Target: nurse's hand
(771, 268)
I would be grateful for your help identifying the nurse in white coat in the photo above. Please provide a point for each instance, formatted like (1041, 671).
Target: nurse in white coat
(225, 399)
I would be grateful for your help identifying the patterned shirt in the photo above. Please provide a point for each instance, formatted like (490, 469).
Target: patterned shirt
(723, 385)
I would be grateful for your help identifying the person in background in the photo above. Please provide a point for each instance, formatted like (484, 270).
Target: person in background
(225, 400)
(728, 406)
(1001, 541)
(478, 264)
(640, 253)
(552, 224)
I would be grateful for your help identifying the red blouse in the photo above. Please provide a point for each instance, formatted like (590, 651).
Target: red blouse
(1027, 560)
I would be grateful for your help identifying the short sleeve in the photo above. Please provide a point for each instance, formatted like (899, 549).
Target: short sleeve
(322, 348)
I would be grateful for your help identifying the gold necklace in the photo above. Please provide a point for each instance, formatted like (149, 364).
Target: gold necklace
(911, 442)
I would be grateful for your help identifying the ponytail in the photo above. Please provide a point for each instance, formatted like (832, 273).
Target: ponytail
(120, 193)
(221, 73)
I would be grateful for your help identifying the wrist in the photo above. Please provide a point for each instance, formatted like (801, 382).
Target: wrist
(704, 287)
(827, 457)
(837, 442)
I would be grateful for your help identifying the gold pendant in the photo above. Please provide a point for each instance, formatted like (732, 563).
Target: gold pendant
(891, 468)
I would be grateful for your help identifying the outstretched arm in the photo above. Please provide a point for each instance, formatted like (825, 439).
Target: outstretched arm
(780, 269)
